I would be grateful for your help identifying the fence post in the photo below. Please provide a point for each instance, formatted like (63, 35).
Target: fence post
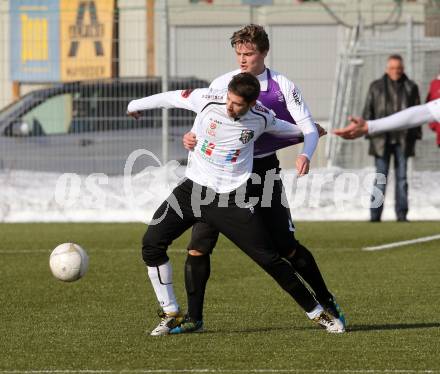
(165, 70)
(410, 70)
(410, 46)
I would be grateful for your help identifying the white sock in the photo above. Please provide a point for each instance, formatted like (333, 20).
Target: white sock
(315, 312)
(162, 280)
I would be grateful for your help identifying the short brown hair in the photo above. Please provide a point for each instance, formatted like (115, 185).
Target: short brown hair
(395, 57)
(254, 34)
(246, 86)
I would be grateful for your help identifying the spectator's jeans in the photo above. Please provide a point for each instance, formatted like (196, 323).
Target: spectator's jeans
(382, 167)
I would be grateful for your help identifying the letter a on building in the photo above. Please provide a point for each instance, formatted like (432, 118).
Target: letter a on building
(86, 39)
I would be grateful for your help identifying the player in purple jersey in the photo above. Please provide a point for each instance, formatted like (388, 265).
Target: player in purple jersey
(251, 45)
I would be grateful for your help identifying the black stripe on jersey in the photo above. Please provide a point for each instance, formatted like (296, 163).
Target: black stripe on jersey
(259, 114)
(212, 102)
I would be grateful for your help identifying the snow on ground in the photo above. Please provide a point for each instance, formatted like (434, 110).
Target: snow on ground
(325, 194)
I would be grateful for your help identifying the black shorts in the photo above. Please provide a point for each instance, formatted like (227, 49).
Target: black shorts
(276, 218)
(243, 226)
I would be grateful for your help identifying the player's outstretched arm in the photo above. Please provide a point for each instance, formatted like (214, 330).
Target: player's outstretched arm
(187, 99)
(405, 119)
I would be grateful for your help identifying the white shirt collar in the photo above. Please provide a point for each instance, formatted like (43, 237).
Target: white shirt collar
(262, 78)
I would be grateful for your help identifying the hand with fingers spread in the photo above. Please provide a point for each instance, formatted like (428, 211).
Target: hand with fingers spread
(355, 129)
(189, 141)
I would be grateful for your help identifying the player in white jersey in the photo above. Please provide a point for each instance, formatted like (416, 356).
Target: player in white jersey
(216, 190)
(405, 119)
(283, 97)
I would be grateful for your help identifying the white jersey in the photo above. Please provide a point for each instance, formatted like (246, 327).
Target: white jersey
(223, 156)
(280, 95)
(407, 118)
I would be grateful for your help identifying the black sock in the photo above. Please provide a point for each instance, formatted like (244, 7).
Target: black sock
(305, 265)
(197, 271)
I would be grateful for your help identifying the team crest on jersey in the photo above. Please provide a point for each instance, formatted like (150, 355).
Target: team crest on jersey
(185, 93)
(246, 136)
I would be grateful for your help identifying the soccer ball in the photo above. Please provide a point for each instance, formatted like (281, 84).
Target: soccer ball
(68, 262)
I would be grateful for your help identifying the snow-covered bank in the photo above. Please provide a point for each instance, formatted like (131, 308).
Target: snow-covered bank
(326, 194)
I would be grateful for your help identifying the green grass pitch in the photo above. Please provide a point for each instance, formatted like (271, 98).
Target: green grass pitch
(390, 298)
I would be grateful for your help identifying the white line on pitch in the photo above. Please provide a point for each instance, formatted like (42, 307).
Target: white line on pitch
(402, 243)
(126, 371)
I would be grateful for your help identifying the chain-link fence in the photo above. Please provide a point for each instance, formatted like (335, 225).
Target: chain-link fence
(65, 126)
(120, 50)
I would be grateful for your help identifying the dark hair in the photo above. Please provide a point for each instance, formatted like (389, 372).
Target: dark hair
(254, 34)
(395, 57)
(246, 86)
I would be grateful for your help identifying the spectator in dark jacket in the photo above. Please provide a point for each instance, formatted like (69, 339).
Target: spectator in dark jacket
(434, 93)
(387, 95)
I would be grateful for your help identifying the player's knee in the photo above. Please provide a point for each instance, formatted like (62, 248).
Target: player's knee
(302, 257)
(295, 247)
(154, 255)
(269, 262)
(153, 252)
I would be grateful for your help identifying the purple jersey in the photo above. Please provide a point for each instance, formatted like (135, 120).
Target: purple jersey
(274, 99)
(281, 96)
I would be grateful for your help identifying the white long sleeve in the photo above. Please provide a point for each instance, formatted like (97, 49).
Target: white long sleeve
(405, 119)
(186, 99)
(300, 112)
(311, 136)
